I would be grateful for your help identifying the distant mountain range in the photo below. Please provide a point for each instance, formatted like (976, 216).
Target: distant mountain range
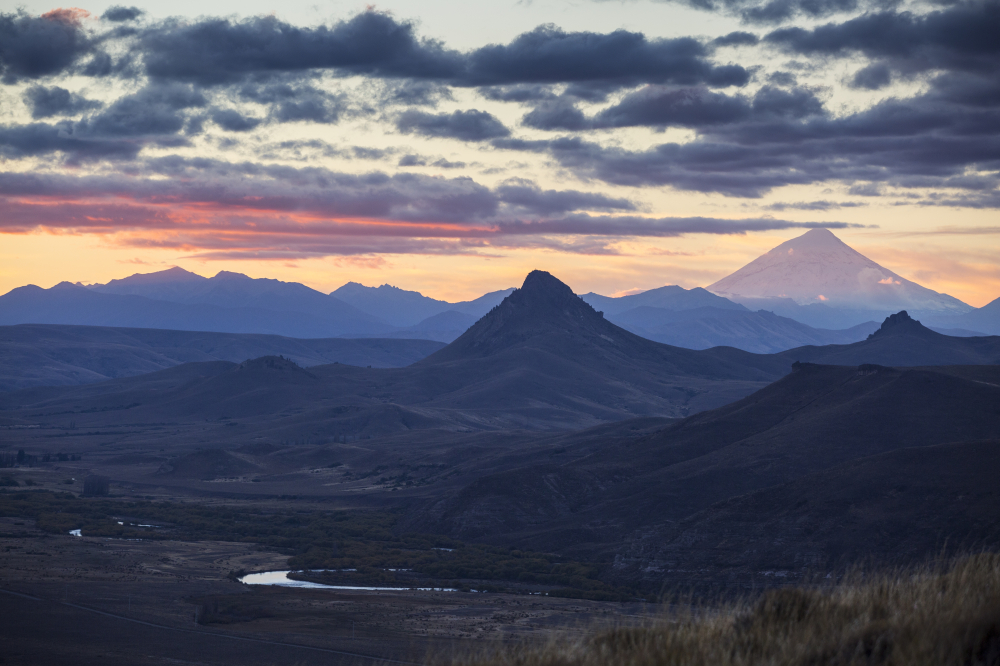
(541, 360)
(411, 309)
(690, 446)
(765, 307)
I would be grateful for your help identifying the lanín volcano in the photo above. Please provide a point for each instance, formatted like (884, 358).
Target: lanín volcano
(817, 267)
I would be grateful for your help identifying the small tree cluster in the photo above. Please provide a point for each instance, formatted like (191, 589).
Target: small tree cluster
(95, 486)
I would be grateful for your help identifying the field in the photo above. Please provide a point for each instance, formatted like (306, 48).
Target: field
(169, 595)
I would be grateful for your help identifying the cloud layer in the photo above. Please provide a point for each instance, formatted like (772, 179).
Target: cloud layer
(116, 156)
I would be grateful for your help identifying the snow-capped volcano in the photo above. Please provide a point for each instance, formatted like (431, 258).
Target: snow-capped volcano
(818, 267)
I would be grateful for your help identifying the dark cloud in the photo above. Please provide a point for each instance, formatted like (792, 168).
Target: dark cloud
(220, 51)
(911, 143)
(418, 93)
(777, 11)
(314, 108)
(40, 139)
(665, 227)
(518, 93)
(154, 110)
(56, 101)
(36, 46)
(365, 153)
(239, 188)
(216, 51)
(873, 77)
(155, 114)
(792, 104)
(549, 55)
(738, 38)
(411, 161)
(960, 37)
(234, 121)
(661, 107)
(782, 78)
(120, 13)
(472, 125)
(295, 103)
(815, 205)
(526, 196)
(558, 114)
(442, 163)
(269, 211)
(99, 65)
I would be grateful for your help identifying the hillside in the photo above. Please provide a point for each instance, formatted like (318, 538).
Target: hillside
(53, 355)
(896, 508)
(903, 341)
(635, 492)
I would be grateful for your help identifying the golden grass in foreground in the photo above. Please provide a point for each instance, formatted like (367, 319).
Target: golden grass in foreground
(928, 618)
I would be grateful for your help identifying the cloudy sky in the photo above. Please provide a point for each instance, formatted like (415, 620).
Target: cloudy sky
(450, 147)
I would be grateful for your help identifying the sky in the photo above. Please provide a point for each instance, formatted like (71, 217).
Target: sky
(451, 147)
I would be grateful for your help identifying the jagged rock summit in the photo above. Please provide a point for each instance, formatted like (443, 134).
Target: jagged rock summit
(817, 267)
(542, 308)
(899, 323)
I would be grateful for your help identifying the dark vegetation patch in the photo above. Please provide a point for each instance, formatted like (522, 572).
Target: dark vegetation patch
(361, 540)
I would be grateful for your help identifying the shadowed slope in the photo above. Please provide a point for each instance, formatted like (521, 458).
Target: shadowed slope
(54, 355)
(903, 341)
(814, 419)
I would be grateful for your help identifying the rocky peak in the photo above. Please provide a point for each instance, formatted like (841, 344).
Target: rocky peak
(900, 322)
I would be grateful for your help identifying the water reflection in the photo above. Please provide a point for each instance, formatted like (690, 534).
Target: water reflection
(281, 578)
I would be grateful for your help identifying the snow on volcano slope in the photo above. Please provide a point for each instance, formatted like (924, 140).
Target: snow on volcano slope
(818, 267)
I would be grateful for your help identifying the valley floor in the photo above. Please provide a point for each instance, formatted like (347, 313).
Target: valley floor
(82, 600)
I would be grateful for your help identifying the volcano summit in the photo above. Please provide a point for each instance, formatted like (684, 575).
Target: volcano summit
(819, 268)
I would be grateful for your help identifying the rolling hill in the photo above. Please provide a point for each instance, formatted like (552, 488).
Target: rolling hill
(53, 355)
(635, 500)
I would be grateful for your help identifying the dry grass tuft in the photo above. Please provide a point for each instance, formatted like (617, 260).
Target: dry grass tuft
(932, 617)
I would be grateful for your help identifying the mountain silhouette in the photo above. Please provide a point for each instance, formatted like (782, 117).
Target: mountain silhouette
(542, 359)
(403, 308)
(230, 305)
(903, 341)
(985, 320)
(671, 297)
(819, 268)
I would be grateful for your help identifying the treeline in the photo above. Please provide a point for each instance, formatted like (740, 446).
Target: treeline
(22, 459)
(362, 540)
